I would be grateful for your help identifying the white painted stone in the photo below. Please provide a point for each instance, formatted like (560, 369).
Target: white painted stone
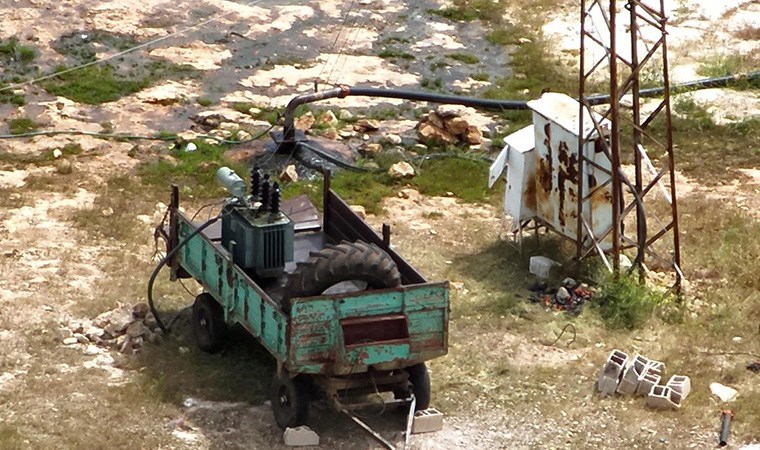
(723, 392)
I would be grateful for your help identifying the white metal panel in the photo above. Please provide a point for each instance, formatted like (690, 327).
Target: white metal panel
(498, 166)
(557, 169)
(519, 196)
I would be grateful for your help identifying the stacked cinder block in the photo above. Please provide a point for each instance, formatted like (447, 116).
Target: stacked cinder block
(642, 376)
(609, 377)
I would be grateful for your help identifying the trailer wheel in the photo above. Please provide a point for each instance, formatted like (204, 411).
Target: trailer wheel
(419, 378)
(337, 265)
(209, 326)
(290, 400)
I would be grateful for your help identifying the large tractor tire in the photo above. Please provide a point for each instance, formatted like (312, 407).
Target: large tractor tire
(365, 266)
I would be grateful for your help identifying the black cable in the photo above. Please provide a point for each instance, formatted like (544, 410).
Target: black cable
(163, 262)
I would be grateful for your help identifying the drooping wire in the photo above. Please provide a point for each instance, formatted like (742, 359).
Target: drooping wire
(335, 42)
(357, 29)
(124, 52)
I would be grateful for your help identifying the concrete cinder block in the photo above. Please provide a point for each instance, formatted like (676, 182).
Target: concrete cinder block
(646, 381)
(680, 386)
(300, 436)
(660, 397)
(633, 371)
(427, 421)
(609, 376)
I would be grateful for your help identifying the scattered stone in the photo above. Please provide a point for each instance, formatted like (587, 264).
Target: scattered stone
(82, 339)
(70, 341)
(224, 134)
(140, 310)
(401, 170)
(254, 111)
(64, 167)
(243, 135)
(345, 114)
(393, 139)
(331, 133)
(190, 147)
(108, 212)
(446, 111)
(64, 333)
(359, 210)
(289, 174)
(14, 196)
(366, 125)
(150, 321)
(137, 342)
(57, 153)
(305, 122)
(347, 133)
(91, 350)
(373, 149)
(723, 392)
(184, 350)
(523, 40)
(229, 126)
(300, 436)
(137, 329)
(328, 118)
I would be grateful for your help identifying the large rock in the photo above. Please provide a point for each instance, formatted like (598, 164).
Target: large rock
(457, 125)
(401, 170)
(429, 132)
(473, 136)
(447, 111)
(435, 120)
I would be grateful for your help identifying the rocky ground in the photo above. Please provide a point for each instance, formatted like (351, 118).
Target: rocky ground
(77, 369)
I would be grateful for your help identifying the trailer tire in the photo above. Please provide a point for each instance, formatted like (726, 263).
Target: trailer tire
(209, 327)
(419, 379)
(347, 261)
(290, 400)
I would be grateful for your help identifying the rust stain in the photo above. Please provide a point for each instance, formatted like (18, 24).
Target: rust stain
(545, 164)
(530, 192)
(567, 172)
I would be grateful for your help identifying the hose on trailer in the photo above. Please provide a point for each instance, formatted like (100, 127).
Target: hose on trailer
(163, 262)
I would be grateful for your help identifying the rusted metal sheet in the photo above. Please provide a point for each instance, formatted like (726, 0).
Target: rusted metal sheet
(558, 171)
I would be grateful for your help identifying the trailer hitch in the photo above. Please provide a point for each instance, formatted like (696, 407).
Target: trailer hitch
(377, 436)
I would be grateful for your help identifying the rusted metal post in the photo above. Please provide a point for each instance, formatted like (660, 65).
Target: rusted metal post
(636, 117)
(325, 199)
(581, 133)
(615, 140)
(387, 235)
(671, 156)
(173, 231)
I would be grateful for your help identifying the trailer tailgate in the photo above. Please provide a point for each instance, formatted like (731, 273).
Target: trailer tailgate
(385, 329)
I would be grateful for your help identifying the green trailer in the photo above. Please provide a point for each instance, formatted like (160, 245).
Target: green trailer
(344, 315)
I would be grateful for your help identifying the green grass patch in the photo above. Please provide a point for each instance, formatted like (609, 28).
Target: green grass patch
(624, 303)
(93, 85)
(11, 49)
(394, 53)
(480, 76)
(204, 101)
(103, 83)
(465, 58)
(456, 14)
(21, 125)
(195, 171)
(465, 178)
(729, 64)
